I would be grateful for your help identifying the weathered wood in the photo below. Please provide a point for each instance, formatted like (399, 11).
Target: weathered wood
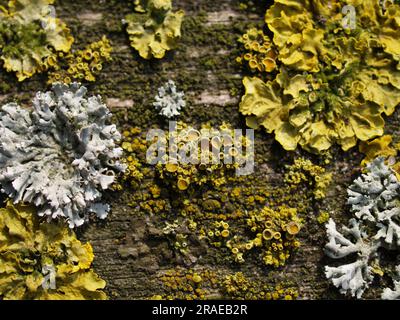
(204, 66)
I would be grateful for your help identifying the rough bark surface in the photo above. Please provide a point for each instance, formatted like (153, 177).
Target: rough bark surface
(204, 67)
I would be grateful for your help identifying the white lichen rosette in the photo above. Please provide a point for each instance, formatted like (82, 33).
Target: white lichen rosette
(61, 154)
(169, 101)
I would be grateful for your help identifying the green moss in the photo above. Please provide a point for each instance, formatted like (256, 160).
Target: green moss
(4, 87)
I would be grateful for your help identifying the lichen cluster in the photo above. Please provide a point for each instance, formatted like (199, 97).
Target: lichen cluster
(260, 55)
(203, 284)
(387, 147)
(132, 145)
(59, 155)
(316, 82)
(239, 287)
(275, 232)
(81, 65)
(186, 284)
(203, 156)
(272, 233)
(154, 28)
(304, 171)
(379, 147)
(334, 83)
(30, 251)
(139, 176)
(374, 200)
(230, 214)
(30, 38)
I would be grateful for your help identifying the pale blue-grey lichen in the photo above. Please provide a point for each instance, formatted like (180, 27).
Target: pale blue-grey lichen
(59, 155)
(374, 200)
(169, 101)
(354, 277)
(375, 197)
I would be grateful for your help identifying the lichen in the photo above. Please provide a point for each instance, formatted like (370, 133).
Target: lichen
(375, 197)
(374, 200)
(139, 175)
(132, 146)
(201, 284)
(304, 171)
(239, 287)
(30, 38)
(354, 277)
(169, 102)
(154, 29)
(186, 284)
(201, 165)
(218, 208)
(81, 65)
(271, 233)
(259, 53)
(30, 249)
(387, 147)
(178, 239)
(59, 155)
(334, 84)
(379, 147)
(323, 217)
(312, 35)
(275, 233)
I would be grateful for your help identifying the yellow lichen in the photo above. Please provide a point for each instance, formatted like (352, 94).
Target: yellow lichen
(206, 284)
(382, 147)
(379, 147)
(311, 35)
(304, 171)
(30, 38)
(82, 65)
(219, 213)
(260, 54)
(155, 28)
(139, 175)
(202, 165)
(315, 118)
(30, 249)
(239, 287)
(281, 225)
(274, 231)
(323, 217)
(334, 83)
(130, 145)
(186, 284)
